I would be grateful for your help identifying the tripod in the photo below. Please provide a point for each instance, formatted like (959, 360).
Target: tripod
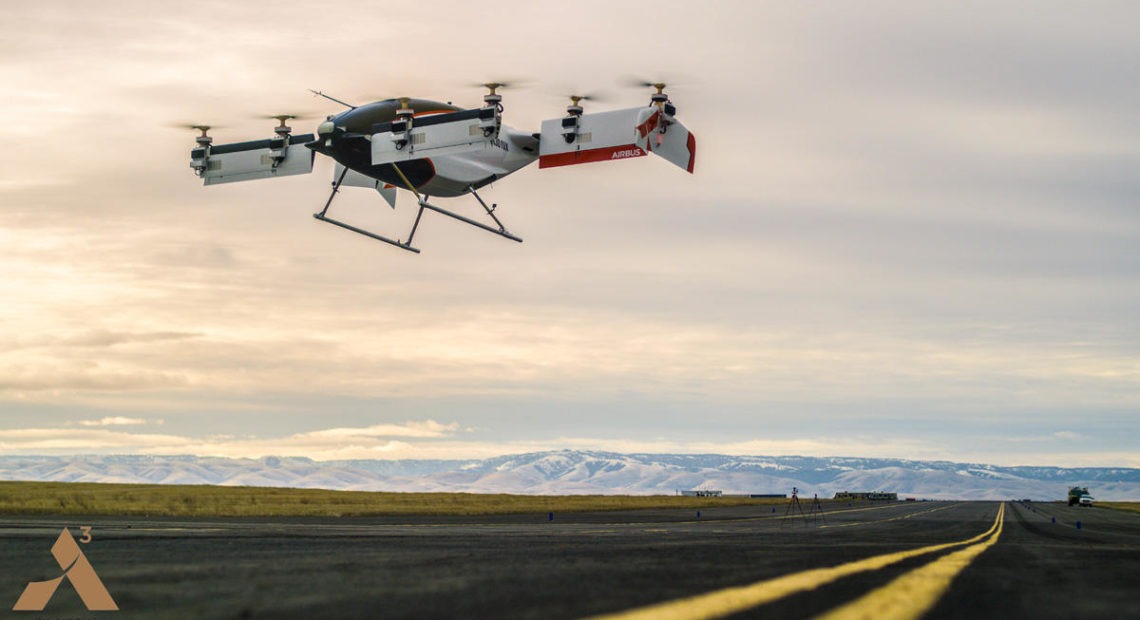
(794, 506)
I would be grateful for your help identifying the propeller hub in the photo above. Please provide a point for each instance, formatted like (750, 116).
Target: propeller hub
(203, 139)
(575, 107)
(404, 111)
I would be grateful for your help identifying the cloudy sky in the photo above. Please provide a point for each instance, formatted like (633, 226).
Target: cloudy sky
(913, 231)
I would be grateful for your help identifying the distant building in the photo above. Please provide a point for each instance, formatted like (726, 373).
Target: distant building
(867, 496)
(702, 493)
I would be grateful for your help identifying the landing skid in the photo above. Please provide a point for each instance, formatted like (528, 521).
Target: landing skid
(403, 246)
(424, 205)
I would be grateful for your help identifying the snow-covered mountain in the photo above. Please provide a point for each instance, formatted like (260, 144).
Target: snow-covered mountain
(570, 471)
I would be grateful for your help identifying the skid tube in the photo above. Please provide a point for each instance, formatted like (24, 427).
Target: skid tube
(502, 232)
(424, 204)
(403, 246)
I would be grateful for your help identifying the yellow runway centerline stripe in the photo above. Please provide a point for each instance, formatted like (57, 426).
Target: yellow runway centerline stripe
(737, 599)
(915, 592)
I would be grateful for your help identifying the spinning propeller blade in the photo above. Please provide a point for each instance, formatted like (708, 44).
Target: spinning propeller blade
(587, 97)
(494, 85)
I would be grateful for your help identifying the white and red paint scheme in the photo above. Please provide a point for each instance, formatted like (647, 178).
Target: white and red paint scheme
(434, 149)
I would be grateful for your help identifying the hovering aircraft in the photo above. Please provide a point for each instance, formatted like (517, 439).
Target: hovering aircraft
(434, 149)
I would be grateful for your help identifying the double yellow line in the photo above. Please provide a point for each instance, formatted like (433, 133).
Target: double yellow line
(908, 596)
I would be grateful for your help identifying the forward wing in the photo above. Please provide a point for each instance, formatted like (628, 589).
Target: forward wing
(258, 159)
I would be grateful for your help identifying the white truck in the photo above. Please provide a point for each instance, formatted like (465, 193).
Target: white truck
(1079, 496)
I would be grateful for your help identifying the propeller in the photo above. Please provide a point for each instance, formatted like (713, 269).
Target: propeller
(658, 98)
(285, 117)
(194, 126)
(660, 86)
(587, 97)
(637, 82)
(203, 139)
(495, 85)
(493, 98)
(575, 106)
(282, 129)
(404, 112)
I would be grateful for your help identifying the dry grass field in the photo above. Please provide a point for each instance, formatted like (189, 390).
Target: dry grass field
(1129, 506)
(75, 498)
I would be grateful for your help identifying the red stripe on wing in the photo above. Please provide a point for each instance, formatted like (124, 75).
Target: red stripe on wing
(584, 157)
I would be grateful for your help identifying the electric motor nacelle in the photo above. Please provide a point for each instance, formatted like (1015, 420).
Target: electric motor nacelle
(668, 112)
(199, 159)
(401, 132)
(277, 148)
(490, 120)
(200, 156)
(570, 128)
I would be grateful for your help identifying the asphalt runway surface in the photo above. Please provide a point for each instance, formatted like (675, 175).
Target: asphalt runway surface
(940, 559)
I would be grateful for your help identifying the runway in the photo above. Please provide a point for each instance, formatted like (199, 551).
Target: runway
(933, 559)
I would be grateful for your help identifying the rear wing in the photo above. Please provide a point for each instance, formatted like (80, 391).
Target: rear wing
(258, 159)
(617, 134)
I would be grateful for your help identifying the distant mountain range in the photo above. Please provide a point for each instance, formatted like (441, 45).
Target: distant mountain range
(577, 472)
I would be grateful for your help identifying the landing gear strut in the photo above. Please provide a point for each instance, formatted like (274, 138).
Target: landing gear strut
(424, 204)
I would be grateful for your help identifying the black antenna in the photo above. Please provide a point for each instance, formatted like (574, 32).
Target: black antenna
(334, 99)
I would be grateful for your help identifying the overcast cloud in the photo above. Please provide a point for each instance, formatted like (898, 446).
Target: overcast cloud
(913, 232)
